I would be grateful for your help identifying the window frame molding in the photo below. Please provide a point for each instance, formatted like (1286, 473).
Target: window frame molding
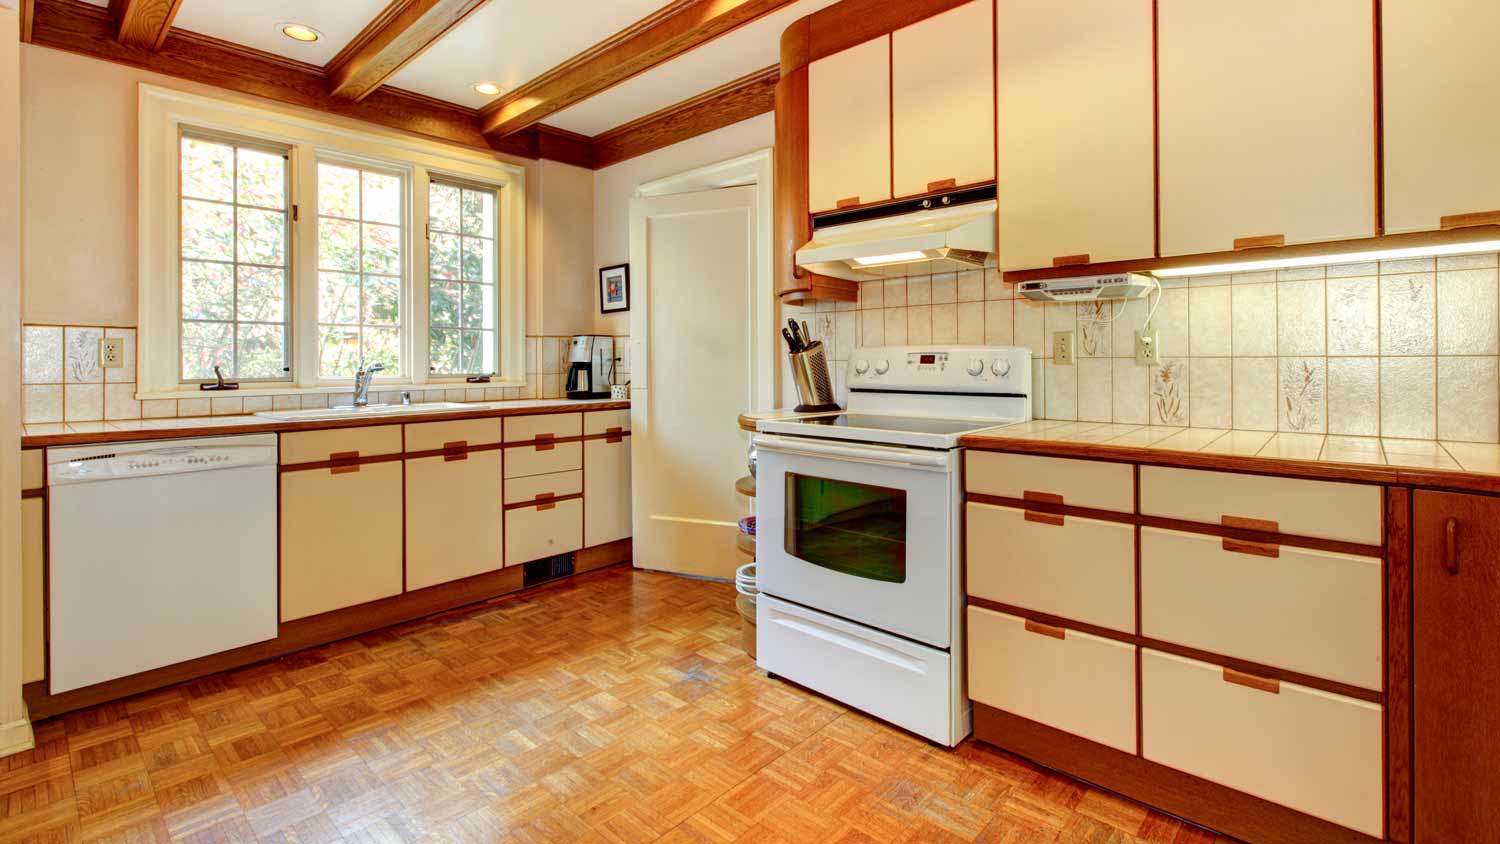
(164, 113)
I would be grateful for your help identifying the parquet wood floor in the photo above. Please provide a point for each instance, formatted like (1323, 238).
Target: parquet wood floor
(614, 708)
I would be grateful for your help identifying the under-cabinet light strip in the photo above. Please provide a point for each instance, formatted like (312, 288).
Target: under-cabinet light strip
(1340, 258)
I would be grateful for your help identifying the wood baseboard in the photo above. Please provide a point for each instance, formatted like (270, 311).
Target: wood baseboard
(318, 630)
(1198, 801)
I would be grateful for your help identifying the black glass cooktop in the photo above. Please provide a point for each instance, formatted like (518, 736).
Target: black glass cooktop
(906, 424)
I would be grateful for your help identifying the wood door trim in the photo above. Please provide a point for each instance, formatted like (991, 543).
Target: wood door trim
(547, 443)
(336, 463)
(540, 500)
(444, 452)
(1198, 800)
(1244, 666)
(1043, 506)
(1265, 539)
(1398, 664)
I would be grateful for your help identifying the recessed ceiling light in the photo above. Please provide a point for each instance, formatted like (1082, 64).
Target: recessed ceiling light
(489, 89)
(299, 32)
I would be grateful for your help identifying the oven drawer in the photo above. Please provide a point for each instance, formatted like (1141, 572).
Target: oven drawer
(1312, 751)
(897, 680)
(1081, 569)
(1323, 509)
(1080, 483)
(1082, 684)
(1314, 612)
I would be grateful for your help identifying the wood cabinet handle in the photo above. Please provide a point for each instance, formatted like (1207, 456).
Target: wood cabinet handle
(1476, 218)
(1040, 517)
(1250, 681)
(1070, 260)
(455, 450)
(942, 184)
(1045, 630)
(343, 462)
(1259, 241)
(846, 202)
(1450, 547)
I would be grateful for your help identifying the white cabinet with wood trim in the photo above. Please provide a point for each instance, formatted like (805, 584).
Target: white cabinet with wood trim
(341, 536)
(542, 458)
(543, 530)
(1267, 119)
(606, 493)
(1324, 509)
(33, 602)
(455, 515)
(942, 100)
(320, 446)
(545, 426)
(1441, 112)
(1075, 85)
(849, 126)
(1077, 483)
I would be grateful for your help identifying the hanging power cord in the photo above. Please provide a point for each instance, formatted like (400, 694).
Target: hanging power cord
(1120, 311)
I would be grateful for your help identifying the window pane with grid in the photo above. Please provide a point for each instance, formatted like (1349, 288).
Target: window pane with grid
(462, 273)
(233, 249)
(360, 256)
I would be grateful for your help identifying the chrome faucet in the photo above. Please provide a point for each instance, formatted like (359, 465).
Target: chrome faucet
(362, 380)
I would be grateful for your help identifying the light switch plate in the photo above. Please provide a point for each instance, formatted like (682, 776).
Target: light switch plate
(1147, 347)
(111, 352)
(1062, 348)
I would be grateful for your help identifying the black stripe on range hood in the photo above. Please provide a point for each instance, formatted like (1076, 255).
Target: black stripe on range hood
(928, 202)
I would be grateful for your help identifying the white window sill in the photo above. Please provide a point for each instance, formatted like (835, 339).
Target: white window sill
(247, 390)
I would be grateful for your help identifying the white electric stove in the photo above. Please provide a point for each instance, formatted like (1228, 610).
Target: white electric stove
(859, 524)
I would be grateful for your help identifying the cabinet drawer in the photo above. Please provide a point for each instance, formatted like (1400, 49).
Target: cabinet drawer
(429, 436)
(33, 469)
(1083, 569)
(340, 538)
(532, 487)
(1314, 612)
(1081, 483)
(1312, 751)
(454, 518)
(520, 429)
(1079, 683)
(317, 446)
(543, 459)
(532, 533)
(1323, 509)
(606, 422)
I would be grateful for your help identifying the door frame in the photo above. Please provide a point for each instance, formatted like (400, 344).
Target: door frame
(755, 169)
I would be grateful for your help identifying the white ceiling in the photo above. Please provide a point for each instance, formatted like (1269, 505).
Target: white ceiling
(722, 60)
(509, 42)
(253, 23)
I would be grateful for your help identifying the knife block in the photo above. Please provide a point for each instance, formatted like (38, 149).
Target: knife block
(814, 386)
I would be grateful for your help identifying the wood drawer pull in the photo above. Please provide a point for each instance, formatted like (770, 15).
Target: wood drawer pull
(1478, 218)
(614, 430)
(544, 442)
(1040, 517)
(1260, 241)
(343, 462)
(614, 438)
(1245, 523)
(942, 184)
(456, 450)
(1045, 630)
(1450, 546)
(1070, 260)
(546, 506)
(1245, 546)
(1250, 681)
(846, 202)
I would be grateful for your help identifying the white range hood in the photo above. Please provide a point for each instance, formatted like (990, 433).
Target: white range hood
(937, 240)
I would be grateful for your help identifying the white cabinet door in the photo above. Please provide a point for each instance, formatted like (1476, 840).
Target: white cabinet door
(454, 517)
(1074, 87)
(942, 99)
(606, 490)
(849, 126)
(1267, 122)
(1442, 111)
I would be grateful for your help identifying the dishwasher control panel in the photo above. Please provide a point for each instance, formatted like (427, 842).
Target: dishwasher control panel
(134, 460)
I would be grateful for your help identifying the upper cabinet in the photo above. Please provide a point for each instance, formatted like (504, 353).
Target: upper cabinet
(1074, 103)
(1441, 113)
(849, 127)
(1266, 122)
(942, 100)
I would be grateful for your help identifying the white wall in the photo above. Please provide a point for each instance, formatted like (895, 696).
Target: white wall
(614, 186)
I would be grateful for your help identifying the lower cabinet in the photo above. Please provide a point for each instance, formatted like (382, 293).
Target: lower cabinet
(340, 537)
(33, 602)
(543, 529)
(454, 517)
(1456, 659)
(606, 490)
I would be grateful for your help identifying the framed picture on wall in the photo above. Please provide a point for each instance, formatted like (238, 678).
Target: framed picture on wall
(614, 289)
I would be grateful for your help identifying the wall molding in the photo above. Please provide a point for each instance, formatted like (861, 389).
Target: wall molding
(16, 736)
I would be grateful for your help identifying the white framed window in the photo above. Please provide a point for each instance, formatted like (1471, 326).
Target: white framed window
(288, 251)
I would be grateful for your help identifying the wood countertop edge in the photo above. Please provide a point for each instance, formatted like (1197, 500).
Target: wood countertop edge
(271, 426)
(1281, 466)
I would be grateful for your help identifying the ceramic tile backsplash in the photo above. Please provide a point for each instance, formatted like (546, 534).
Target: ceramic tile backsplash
(62, 381)
(1397, 349)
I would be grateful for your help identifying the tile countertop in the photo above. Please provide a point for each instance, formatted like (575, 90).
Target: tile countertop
(86, 433)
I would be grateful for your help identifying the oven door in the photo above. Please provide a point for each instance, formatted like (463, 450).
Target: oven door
(866, 532)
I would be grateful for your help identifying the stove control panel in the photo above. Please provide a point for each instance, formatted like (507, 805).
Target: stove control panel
(982, 370)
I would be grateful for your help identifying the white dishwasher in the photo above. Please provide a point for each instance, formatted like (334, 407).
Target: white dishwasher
(159, 552)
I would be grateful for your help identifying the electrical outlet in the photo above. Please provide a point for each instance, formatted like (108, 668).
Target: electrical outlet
(111, 352)
(1062, 348)
(1147, 348)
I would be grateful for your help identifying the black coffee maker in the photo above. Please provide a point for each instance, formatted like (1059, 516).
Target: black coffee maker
(591, 366)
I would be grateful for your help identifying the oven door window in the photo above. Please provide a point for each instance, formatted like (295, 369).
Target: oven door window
(851, 528)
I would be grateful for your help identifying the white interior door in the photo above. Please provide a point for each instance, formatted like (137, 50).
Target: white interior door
(693, 273)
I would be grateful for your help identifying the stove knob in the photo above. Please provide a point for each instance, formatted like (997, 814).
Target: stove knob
(882, 367)
(976, 367)
(1001, 367)
(861, 367)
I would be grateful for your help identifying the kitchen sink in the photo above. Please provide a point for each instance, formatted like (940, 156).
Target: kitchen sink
(318, 414)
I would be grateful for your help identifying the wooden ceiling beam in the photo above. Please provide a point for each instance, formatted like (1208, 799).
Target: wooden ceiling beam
(742, 99)
(402, 31)
(143, 23)
(665, 35)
